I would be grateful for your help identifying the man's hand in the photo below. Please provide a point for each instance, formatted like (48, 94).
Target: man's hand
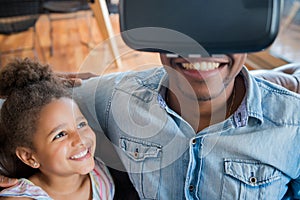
(74, 79)
(7, 182)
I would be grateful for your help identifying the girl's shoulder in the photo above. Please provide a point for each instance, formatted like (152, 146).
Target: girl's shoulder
(100, 165)
(102, 182)
(102, 171)
(24, 189)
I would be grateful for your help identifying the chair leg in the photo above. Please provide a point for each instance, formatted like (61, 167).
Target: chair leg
(33, 43)
(0, 59)
(40, 46)
(100, 10)
(292, 13)
(90, 44)
(50, 34)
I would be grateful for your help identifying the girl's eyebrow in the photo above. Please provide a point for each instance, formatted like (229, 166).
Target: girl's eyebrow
(80, 118)
(57, 128)
(63, 125)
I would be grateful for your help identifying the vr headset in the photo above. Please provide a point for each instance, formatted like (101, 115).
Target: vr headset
(199, 27)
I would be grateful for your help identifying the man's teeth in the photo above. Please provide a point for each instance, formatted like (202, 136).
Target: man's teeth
(80, 155)
(201, 66)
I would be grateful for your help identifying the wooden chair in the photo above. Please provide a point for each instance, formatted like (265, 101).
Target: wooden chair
(101, 11)
(62, 7)
(18, 16)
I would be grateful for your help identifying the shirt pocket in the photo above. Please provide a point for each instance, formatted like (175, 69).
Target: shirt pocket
(142, 160)
(250, 179)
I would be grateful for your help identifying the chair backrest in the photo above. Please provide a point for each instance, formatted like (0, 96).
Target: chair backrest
(12, 8)
(18, 15)
(65, 6)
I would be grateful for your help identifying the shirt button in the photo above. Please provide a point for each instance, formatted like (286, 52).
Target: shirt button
(194, 141)
(136, 153)
(191, 187)
(253, 180)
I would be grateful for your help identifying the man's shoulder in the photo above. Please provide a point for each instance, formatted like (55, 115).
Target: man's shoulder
(108, 82)
(279, 104)
(276, 90)
(117, 77)
(132, 79)
(144, 74)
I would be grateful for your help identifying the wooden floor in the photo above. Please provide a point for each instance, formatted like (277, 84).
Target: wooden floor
(79, 47)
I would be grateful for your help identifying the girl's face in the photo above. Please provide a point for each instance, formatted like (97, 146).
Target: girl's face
(64, 143)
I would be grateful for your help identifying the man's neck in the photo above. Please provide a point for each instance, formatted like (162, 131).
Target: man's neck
(201, 114)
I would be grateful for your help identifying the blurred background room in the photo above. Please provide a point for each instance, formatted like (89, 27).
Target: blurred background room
(81, 35)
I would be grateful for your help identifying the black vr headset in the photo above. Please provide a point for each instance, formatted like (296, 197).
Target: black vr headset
(199, 27)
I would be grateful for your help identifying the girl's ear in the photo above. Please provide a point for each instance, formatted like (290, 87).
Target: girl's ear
(27, 156)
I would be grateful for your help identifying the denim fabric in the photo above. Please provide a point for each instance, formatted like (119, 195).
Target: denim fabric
(254, 154)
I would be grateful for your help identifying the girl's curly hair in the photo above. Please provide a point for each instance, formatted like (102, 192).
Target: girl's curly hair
(27, 87)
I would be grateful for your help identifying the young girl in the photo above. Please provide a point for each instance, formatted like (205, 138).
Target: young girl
(42, 127)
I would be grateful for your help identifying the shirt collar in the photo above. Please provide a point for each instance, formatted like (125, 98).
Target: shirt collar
(156, 80)
(251, 104)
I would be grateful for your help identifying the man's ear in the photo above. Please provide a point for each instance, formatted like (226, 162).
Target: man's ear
(26, 155)
(165, 60)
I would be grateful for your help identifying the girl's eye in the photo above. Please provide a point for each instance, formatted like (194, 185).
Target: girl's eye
(59, 135)
(82, 124)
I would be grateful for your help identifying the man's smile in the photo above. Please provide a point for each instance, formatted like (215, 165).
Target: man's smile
(203, 64)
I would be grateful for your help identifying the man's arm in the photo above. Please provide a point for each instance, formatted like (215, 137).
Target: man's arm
(287, 76)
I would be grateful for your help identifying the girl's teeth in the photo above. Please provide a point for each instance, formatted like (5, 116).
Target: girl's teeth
(201, 66)
(80, 155)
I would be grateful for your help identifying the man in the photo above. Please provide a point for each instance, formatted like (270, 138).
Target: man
(198, 128)
(184, 133)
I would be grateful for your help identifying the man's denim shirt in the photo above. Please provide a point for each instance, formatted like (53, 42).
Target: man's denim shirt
(254, 154)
